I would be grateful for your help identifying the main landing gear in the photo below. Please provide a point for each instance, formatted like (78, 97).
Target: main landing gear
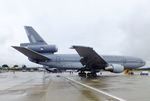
(91, 74)
(83, 74)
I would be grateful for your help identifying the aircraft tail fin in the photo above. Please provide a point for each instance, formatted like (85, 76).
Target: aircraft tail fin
(30, 53)
(33, 36)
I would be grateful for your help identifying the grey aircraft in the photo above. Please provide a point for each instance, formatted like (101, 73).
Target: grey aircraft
(38, 51)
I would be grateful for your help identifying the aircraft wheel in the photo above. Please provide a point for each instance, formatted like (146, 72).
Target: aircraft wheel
(82, 74)
(129, 72)
(91, 75)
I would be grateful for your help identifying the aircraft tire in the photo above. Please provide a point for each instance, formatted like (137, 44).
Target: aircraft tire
(91, 75)
(82, 74)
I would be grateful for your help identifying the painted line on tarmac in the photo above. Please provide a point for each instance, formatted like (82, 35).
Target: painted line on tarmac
(97, 90)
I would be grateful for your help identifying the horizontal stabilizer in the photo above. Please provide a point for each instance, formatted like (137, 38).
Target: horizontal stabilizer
(30, 53)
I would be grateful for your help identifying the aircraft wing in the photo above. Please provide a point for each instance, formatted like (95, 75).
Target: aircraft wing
(30, 53)
(89, 57)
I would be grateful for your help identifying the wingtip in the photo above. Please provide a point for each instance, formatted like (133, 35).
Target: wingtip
(27, 26)
(74, 46)
(16, 47)
(13, 46)
(78, 46)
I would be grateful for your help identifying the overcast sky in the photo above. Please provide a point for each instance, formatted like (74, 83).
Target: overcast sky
(118, 27)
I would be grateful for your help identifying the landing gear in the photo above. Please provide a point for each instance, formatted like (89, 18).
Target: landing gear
(129, 72)
(82, 74)
(91, 75)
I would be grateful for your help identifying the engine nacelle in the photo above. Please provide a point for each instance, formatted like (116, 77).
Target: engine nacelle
(43, 48)
(115, 68)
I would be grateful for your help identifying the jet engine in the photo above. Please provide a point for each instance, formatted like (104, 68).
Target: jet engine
(43, 48)
(115, 68)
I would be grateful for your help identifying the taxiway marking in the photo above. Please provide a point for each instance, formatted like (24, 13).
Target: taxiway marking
(97, 90)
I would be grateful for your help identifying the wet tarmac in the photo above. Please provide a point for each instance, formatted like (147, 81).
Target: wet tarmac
(37, 86)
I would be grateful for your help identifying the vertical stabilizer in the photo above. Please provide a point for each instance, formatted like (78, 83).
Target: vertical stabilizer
(33, 36)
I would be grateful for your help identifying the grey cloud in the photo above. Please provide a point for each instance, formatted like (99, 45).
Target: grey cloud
(136, 27)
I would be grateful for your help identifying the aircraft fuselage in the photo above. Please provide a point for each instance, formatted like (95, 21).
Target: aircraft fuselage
(72, 61)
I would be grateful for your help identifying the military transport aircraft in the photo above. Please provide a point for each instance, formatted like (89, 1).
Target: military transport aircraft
(38, 51)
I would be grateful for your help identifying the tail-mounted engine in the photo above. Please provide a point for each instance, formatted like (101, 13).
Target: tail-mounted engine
(41, 48)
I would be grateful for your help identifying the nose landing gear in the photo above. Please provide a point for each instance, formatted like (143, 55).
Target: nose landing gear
(129, 72)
